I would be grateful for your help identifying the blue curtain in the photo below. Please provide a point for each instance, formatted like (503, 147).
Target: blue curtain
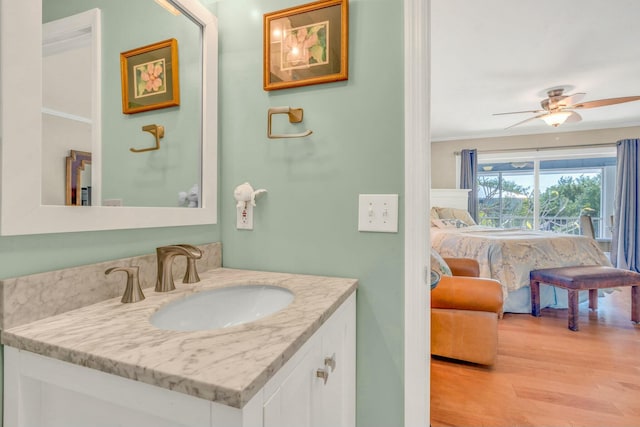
(626, 235)
(469, 178)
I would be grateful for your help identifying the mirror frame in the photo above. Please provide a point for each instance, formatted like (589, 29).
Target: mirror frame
(21, 211)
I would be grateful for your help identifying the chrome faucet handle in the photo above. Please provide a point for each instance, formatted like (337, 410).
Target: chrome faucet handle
(133, 291)
(191, 274)
(165, 255)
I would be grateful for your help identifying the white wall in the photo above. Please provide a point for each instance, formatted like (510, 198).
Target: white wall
(443, 163)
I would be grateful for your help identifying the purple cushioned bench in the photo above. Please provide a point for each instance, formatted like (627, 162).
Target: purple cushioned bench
(588, 277)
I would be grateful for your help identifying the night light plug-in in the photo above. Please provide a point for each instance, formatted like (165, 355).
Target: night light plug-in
(245, 197)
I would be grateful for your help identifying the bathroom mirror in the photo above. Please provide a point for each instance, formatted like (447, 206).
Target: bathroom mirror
(21, 209)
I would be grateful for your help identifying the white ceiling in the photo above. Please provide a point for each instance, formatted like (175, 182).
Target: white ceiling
(496, 56)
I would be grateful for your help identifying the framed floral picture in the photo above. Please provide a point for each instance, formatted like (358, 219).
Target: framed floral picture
(150, 77)
(306, 45)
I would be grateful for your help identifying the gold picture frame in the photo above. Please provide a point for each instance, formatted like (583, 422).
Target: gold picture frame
(150, 77)
(306, 45)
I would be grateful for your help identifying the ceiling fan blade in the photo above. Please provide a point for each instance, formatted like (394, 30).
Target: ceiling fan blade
(573, 118)
(519, 112)
(571, 99)
(605, 102)
(526, 120)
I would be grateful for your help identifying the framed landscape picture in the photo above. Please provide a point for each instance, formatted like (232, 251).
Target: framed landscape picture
(306, 45)
(150, 77)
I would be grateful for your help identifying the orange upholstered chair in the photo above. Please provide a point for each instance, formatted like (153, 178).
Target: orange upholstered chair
(464, 314)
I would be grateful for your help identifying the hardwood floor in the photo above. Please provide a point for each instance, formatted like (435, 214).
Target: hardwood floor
(547, 375)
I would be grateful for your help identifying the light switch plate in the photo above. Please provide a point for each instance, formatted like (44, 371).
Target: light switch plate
(378, 212)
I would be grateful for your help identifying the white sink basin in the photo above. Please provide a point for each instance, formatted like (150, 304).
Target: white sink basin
(222, 308)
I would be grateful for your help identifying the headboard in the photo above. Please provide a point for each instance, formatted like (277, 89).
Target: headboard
(450, 198)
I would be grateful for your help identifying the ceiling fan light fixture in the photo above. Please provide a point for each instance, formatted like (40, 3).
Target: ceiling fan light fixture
(557, 118)
(559, 108)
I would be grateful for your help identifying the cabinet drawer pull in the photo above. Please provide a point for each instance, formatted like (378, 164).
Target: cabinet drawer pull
(330, 362)
(323, 373)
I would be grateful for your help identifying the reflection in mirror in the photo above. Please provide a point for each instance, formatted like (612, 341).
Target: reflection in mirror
(70, 97)
(70, 69)
(189, 154)
(78, 179)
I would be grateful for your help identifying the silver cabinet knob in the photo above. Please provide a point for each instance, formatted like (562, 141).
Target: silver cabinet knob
(330, 362)
(323, 373)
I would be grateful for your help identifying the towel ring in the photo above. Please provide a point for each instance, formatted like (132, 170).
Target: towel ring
(295, 116)
(157, 131)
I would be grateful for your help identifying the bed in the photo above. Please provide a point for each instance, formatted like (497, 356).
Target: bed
(508, 255)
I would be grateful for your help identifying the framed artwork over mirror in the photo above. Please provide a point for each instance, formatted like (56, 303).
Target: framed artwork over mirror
(306, 45)
(150, 77)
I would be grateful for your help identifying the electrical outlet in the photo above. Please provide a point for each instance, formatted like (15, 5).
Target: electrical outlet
(112, 202)
(378, 212)
(244, 217)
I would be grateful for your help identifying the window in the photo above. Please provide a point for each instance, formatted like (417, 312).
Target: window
(547, 190)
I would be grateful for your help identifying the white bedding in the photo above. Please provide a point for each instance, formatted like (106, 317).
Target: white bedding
(508, 255)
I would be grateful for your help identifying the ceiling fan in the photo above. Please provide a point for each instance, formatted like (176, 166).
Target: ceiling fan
(557, 108)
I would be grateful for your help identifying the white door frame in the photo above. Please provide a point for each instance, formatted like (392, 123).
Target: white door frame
(417, 181)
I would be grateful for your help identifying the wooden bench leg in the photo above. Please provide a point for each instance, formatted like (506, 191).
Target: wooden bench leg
(573, 309)
(535, 298)
(593, 299)
(635, 304)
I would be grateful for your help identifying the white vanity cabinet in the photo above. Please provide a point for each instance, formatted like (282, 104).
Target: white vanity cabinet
(46, 392)
(301, 397)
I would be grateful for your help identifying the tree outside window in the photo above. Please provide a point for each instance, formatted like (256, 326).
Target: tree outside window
(506, 197)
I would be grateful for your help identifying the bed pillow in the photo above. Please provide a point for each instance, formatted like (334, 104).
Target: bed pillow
(448, 223)
(434, 213)
(438, 264)
(454, 213)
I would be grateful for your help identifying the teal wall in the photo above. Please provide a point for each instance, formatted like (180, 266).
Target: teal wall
(307, 222)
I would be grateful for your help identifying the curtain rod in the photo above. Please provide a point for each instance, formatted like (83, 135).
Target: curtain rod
(564, 147)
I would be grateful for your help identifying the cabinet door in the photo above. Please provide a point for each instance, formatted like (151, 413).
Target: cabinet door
(304, 399)
(292, 405)
(336, 398)
(45, 392)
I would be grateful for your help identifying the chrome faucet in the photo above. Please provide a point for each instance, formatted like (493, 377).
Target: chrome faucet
(133, 291)
(165, 255)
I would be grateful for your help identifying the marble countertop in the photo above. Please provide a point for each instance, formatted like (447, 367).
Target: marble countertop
(225, 365)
